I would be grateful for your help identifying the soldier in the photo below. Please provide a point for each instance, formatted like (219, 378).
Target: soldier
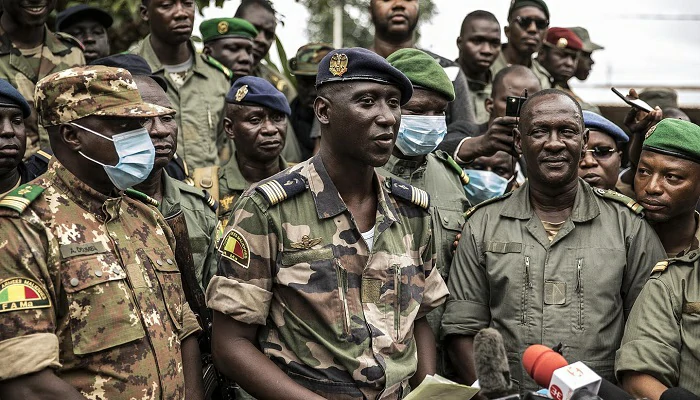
(331, 264)
(256, 122)
(553, 261)
(97, 310)
(600, 164)
(89, 25)
(585, 60)
(661, 342)
(196, 88)
(29, 51)
(229, 41)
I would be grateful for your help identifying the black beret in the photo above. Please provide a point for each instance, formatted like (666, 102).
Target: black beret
(71, 15)
(251, 90)
(136, 65)
(358, 64)
(9, 96)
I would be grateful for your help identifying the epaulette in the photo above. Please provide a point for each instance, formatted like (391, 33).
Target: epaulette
(211, 201)
(216, 64)
(43, 155)
(140, 196)
(452, 164)
(471, 210)
(620, 198)
(403, 190)
(68, 38)
(198, 192)
(282, 187)
(660, 266)
(20, 198)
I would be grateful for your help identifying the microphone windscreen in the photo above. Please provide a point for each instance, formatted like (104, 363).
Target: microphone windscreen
(491, 363)
(677, 393)
(540, 362)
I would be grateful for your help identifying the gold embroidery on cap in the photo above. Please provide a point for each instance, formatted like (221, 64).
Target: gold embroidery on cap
(240, 94)
(222, 27)
(650, 131)
(339, 64)
(562, 43)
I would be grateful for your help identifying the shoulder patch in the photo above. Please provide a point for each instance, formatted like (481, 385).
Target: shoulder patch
(143, 197)
(452, 164)
(70, 39)
(22, 294)
(20, 198)
(282, 187)
(471, 210)
(660, 266)
(403, 190)
(620, 198)
(216, 64)
(234, 247)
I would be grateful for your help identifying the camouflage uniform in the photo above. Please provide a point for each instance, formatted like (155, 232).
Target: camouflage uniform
(337, 318)
(60, 51)
(89, 288)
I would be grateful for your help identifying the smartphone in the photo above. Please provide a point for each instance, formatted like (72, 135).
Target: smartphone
(513, 105)
(636, 103)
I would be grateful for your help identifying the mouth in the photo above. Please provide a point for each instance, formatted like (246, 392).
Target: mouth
(10, 150)
(270, 145)
(530, 41)
(182, 29)
(398, 18)
(241, 71)
(384, 140)
(163, 150)
(554, 162)
(651, 205)
(35, 9)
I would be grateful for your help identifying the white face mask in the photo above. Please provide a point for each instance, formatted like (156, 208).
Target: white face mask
(420, 134)
(484, 185)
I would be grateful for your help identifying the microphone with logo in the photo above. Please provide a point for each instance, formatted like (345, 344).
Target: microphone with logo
(492, 368)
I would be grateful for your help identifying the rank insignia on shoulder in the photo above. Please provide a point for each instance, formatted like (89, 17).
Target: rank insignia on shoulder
(451, 163)
(143, 197)
(403, 190)
(660, 266)
(234, 247)
(306, 243)
(282, 187)
(22, 294)
(621, 198)
(471, 210)
(211, 201)
(21, 197)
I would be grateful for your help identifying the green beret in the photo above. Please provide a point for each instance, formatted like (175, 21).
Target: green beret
(675, 138)
(423, 71)
(217, 28)
(516, 4)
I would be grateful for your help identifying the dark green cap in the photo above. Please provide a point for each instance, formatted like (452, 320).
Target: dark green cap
(660, 96)
(423, 71)
(582, 33)
(308, 57)
(674, 137)
(217, 28)
(516, 4)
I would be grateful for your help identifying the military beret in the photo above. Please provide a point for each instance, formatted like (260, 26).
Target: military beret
(516, 4)
(582, 33)
(563, 38)
(660, 96)
(674, 137)
(423, 71)
(358, 64)
(10, 97)
(251, 90)
(305, 63)
(602, 124)
(74, 14)
(136, 65)
(217, 28)
(79, 92)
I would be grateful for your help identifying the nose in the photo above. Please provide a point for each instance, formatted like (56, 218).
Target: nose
(6, 128)
(532, 28)
(588, 161)
(180, 11)
(268, 127)
(554, 143)
(157, 129)
(386, 116)
(653, 186)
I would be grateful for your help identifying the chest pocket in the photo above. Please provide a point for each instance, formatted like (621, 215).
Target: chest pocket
(101, 309)
(447, 224)
(170, 282)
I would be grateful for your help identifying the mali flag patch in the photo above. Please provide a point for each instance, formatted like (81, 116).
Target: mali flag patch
(235, 248)
(22, 294)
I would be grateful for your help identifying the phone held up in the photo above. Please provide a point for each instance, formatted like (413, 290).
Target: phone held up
(636, 103)
(514, 104)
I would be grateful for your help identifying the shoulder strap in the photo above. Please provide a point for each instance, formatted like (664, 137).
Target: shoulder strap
(283, 187)
(20, 198)
(620, 198)
(211, 201)
(142, 197)
(412, 194)
(452, 164)
(216, 64)
(471, 210)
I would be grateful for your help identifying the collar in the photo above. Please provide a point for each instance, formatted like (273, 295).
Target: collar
(406, 169)
(518, 205)
(477, 85)
(235, 180)
(147, 52)
(695, 243)
(83, 195)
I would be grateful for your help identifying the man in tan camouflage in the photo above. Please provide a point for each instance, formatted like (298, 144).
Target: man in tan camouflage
(29, 51)
(327, 269)
(91, 300)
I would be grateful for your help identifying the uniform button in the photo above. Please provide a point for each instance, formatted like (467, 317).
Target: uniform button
(444, 219)
(159, 262)
(98, 273)
(169, 261)
(74, 282)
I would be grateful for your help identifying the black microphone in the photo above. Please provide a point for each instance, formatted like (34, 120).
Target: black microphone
(610, 391)
(491, 364)
(585, 394)
(677, 393)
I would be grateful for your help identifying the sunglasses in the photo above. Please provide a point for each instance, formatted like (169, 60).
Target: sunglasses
(601, 153)
(525, 22)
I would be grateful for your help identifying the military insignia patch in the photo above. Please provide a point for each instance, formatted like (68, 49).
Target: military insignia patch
(222, 27)
(339, 64)
(562, 43)
(305, 243)
(240, 94)
(649, 132)
(22, 294)
(235, 248)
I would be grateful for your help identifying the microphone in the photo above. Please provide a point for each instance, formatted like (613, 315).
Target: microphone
(491, 364)
(677, 393)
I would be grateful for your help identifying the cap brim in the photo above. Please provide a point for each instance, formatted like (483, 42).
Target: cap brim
(590, 47)
(135, 110)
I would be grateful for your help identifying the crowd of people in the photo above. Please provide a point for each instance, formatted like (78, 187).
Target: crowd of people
(177, 223)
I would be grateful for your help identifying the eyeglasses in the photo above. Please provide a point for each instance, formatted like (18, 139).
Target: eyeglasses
(525, 22)
(601, 153)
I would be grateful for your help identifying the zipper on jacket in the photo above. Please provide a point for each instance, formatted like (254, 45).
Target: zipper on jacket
(343, 293)
(526, 288)
(579, 290)
(397, 291)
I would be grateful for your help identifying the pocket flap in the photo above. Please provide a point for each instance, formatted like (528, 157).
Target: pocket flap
(503, 247)
(306, 256)
(161, 259)
(80, 273)
(451, 219)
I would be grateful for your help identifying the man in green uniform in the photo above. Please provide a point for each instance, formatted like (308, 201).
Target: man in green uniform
(29, 51)
(91, 302)
(553, 261)
(661, 345)
(229, 41)
(196, 88)
(256, 122)
(330, 264)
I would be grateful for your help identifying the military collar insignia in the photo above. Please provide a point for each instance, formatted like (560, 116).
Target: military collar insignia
(241, 93)
(235, 247)
(22, 294)
(649, 132)
(306, 243)
(222, 27)
(338, 64)
(562, 43)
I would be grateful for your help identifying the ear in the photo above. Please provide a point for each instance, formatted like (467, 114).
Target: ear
(459, 42)
(143, 11)
(322, 108)
(488, 105)
(517, 143)
(506, 31)
(206, 50)
(69, 136)
(585, 138)
(228, 128)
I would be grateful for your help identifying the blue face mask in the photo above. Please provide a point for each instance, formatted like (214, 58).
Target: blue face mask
(484, 185)
(136, 156)
(420, 134)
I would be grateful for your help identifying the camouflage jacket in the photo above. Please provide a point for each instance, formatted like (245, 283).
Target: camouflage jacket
(60, 51)
(89, 288)
(337, 318)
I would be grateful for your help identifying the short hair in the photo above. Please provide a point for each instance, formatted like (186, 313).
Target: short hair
(557, 92)
(266, 4)
(478, 14)
(516, 69)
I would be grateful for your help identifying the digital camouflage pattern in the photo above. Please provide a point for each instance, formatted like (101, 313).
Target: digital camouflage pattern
(337, 319)
(117, 312)
(59, 51)
(308, 57)
(79, 92)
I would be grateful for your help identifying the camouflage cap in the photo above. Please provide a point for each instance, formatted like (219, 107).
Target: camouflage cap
(308, 57)
(79, 92)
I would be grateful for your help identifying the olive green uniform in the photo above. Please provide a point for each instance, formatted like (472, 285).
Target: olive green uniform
(277, 80)
(537, 69)
(577, 289)
(479, 92)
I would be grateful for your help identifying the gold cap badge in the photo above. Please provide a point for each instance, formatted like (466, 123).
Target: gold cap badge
(562, 43)
(242, 91)
(339, 64)
(222, 27)
(650, 131)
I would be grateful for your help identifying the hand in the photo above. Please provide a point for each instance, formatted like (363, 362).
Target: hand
(456, 242)
(499, 137)
(638, 121)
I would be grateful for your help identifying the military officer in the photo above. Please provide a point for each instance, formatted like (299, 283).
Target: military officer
(600, 164)
(229, 42)
(332, 264)
(97, 310)
(29, 51)
(553, 261)
(661, 345)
